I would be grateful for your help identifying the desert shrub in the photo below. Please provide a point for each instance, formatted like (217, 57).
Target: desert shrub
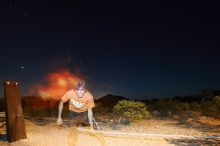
(171, 107)
(99, 109)
(181, 106)
(164, 106)
(216, 105)
(133, 110)
(195, 106)
(211, 108)
(2, 103)
(216, 100)
(182, 109)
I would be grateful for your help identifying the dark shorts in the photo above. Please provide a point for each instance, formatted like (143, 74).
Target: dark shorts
(78, 118)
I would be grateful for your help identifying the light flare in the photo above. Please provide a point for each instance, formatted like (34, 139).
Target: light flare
(57, 84)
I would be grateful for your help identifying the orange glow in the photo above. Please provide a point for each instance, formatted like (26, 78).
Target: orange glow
(58, 84)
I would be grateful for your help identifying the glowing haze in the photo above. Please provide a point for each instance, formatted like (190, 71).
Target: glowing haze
(57, 84)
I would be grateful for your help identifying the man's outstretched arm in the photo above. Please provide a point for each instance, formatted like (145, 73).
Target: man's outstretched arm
(60, 109)
(90, 117)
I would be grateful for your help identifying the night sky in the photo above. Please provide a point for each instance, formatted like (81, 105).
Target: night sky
(133, 49)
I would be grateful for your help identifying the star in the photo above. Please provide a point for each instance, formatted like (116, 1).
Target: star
(173, 20)
(21, 68)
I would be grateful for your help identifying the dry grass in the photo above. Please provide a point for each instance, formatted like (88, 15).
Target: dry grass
(52, 135)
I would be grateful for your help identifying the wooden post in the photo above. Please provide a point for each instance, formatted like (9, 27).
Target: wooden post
(15, 123)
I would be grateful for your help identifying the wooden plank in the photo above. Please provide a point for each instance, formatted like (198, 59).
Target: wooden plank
(15, 123)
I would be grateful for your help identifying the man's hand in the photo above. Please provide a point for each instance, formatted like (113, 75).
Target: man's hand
(91, 128)
(59, 121)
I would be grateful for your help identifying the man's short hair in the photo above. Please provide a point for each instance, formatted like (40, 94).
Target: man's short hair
(81, 84)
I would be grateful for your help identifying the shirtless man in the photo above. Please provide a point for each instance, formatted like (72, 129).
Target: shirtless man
(80, 101)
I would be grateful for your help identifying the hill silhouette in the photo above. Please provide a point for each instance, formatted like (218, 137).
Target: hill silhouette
(109, 100)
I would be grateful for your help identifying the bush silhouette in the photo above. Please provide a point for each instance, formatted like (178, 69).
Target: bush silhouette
(211, 108)
(133, 110)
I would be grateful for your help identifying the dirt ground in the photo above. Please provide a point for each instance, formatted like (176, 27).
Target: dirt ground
(46, 133)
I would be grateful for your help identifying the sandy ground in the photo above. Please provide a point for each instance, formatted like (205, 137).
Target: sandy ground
(41, 134)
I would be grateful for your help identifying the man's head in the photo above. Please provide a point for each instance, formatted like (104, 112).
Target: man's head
(80, 89)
